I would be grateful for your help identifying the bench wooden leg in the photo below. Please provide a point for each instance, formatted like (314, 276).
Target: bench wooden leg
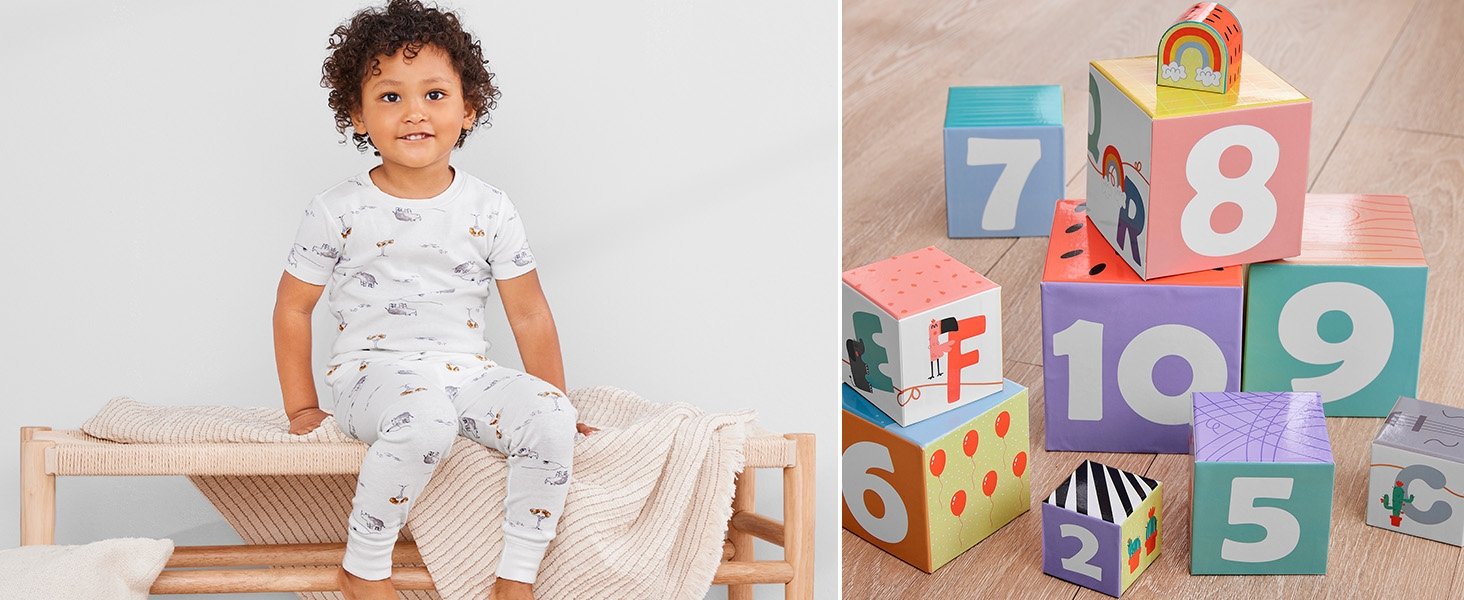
(743, 500)
(798, 514)
(37, 491)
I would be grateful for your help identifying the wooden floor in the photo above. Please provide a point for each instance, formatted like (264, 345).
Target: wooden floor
(1388, 117)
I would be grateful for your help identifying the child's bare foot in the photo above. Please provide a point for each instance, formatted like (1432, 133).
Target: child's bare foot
(355, 588)
(508, 589)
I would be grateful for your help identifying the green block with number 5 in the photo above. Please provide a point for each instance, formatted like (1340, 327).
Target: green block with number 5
(1263, 481)
(1345, 318)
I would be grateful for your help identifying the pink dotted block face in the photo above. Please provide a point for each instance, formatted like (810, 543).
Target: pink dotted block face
(1183, 180)
(922, 334)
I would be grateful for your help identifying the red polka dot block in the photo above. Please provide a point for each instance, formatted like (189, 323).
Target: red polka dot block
(922, 334)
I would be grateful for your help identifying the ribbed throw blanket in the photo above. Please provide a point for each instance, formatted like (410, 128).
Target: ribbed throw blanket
(645, 517)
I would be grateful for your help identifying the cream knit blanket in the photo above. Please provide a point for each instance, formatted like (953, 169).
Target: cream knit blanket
(645, 517)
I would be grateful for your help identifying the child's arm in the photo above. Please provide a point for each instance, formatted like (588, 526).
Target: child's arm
(533, 327)
(534, 331)
(294, 302)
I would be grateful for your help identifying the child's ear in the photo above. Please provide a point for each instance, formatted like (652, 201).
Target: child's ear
(469, 117)
(358, 123)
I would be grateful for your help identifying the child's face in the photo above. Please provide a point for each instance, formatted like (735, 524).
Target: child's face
(423, 96)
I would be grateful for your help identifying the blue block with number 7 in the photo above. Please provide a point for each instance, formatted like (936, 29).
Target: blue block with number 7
(1263, 481)
(1003, 160)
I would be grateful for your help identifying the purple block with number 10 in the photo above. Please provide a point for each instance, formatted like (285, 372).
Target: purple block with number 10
(1122, 356)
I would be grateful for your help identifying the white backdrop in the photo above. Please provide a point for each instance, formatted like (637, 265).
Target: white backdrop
(675, 162)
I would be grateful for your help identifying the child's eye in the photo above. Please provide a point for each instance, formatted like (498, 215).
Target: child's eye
(390, 96)
(440, 94)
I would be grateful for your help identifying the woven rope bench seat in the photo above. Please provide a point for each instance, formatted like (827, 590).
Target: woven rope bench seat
(76, 453)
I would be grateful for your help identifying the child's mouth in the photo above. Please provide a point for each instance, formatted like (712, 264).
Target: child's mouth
(415, 137)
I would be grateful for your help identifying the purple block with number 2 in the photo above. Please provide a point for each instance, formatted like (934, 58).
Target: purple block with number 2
(1059, 545)
(1122, 356)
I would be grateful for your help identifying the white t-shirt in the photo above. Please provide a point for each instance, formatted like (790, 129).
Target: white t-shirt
(409, 275)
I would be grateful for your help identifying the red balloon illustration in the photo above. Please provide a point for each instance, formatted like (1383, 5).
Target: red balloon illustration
(988, 483)
(968, 445)
(958, 503)
(937, 463)
(1003, 423)
(1019, 464)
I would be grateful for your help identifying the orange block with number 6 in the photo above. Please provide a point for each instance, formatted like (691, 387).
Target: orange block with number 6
(1183, 180)
(928, 492)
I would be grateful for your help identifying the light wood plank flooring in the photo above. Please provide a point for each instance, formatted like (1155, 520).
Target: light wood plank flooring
(1388, 118)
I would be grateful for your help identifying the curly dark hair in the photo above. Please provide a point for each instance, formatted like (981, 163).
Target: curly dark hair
(406, 25)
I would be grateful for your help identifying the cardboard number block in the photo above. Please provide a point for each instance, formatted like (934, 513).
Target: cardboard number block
(1345, 318)
(1121, 355)
(1003, 160)
(1416, 477)
(1100, 528)
(1182, 180)
(1202, 50)
(1263, 482)
(922, 334)
(929, 492)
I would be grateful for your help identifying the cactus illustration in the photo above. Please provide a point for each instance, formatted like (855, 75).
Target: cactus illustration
(1399, 500)
(1133, 552)
(1151, 532)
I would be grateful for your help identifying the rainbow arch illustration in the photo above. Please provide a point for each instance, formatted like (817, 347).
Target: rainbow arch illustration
(1211, 32)
(1112, 166)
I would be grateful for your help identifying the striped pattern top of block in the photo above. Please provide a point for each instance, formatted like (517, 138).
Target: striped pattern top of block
(1135, 78)
(1103, 492)
(1359, 229)
(1077, 252)
(915, 282)
(1273, 427)
(1004, 106)
(1426, 428)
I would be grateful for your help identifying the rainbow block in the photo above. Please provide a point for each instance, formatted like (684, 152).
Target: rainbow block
(1416, 479)
(928, 492)
(1181, 180)
(1345, 317)
(1263, 481)
(1202, 50)
(1100, 528)
(922, 334)
(1003, 160)
(1121, 355)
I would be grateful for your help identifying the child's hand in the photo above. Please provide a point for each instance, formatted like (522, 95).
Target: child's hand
(306, 421)
(585, 429)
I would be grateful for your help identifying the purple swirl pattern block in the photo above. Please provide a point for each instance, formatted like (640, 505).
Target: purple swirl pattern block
(1268, 427)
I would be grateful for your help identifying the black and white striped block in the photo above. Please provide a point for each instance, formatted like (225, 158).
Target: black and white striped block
(1103, 492)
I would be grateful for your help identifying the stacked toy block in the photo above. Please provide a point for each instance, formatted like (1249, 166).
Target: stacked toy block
(1263, 477)
(1345, 317)
(1202, 50)
(934, 439)
(1003, 160)
(1100, 528)
(922, 334)
(1181, 180)
(928, 492)
(1121, 355)
(1416, 476)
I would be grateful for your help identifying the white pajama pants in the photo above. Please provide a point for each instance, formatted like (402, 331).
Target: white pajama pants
(410, 406)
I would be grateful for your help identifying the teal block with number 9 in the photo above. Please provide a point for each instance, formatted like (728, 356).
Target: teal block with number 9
(1003, 160)
(1345, 318)
(1263, 480)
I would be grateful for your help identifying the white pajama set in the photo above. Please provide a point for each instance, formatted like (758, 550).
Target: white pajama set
(407, 281)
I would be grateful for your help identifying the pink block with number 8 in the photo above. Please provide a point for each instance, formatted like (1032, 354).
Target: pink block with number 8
(1182, 181)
